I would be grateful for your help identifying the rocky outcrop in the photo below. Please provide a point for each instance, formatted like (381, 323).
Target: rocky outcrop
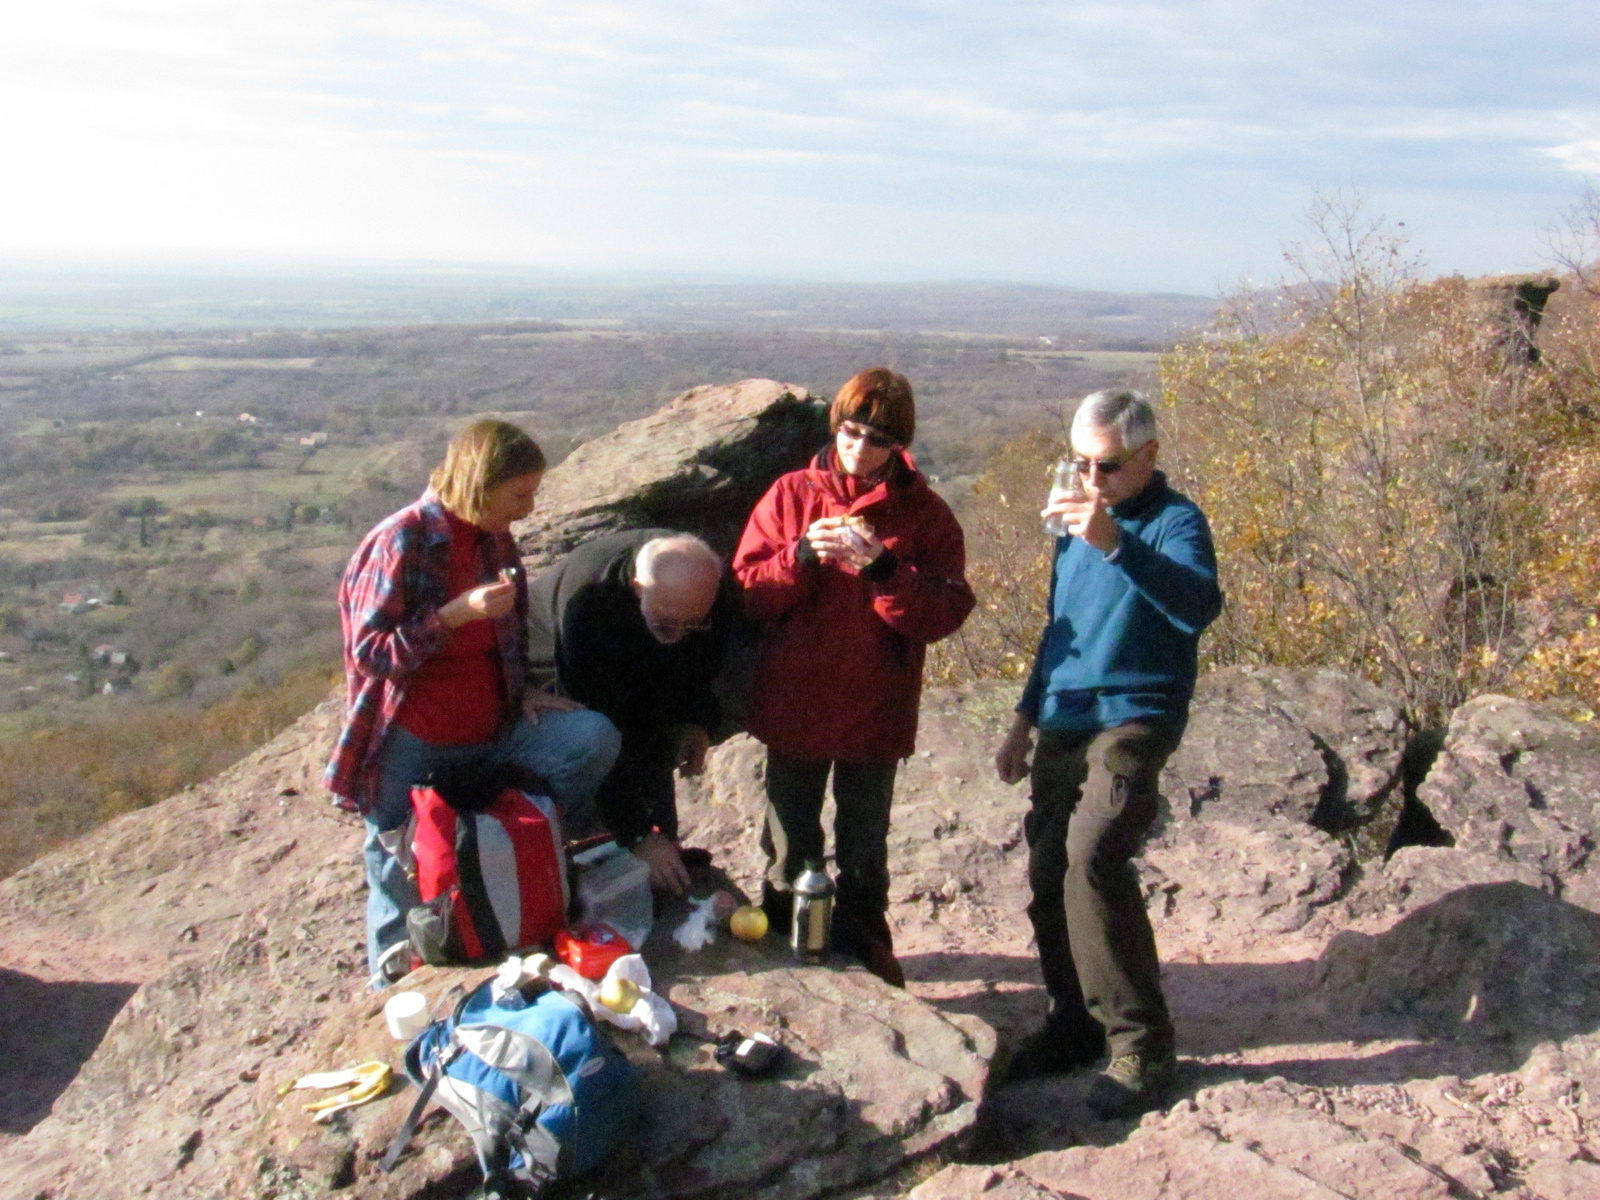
(698, 465)
(168, 973)
(875, 1076)
(237, 911)
(1491, 960)
(234, 911)
(1415, 876)
(1317, 747)
(1273, 1139)
(1515, 305)
(1284, 782)
(1516, 791)
(1516, 782)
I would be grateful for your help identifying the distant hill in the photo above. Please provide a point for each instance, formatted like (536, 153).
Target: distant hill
(39, 298)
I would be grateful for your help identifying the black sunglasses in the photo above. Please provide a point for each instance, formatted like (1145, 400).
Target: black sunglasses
(1106, 466)
(869, 435)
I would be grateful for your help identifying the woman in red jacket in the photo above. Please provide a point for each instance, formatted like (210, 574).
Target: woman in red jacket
(852, 565)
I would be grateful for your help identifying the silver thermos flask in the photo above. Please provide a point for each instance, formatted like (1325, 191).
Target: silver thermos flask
(813, 914)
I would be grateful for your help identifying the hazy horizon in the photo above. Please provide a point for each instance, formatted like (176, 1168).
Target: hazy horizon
(1163, 146)
(223, 295)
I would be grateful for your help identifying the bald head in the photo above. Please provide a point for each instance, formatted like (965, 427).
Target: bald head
(676, 579)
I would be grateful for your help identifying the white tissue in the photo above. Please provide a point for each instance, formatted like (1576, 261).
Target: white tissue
(504, 988)
(564, 977)
(633, 968)
(699, 928)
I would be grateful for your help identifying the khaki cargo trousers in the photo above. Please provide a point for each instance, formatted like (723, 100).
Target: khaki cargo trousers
(1094, 799)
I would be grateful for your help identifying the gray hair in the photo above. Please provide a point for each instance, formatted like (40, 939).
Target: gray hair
(1123, 409)
(678, 544)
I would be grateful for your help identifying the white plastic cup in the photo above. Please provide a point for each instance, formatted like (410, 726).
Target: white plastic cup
(407, 1015)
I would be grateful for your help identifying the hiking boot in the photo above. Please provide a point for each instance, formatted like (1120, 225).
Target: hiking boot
(1059, 1048)
(779, 907)
(1132, 1084)
(865, 936)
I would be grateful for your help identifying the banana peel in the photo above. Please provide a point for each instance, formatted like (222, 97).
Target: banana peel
(367, 1082)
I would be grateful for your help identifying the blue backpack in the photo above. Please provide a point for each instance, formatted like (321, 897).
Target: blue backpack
(542, 1090)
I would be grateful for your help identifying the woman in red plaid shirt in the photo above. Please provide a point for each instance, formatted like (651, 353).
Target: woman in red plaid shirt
(434, 610)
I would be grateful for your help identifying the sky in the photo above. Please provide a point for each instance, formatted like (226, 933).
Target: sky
(1163, 146)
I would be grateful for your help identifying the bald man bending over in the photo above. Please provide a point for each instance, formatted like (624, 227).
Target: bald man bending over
(635, 625)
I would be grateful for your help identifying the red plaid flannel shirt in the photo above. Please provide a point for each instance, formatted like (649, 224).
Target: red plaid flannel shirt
(389, 601)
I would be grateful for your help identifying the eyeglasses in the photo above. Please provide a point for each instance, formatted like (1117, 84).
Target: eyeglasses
(1106, 466)
(866, 433)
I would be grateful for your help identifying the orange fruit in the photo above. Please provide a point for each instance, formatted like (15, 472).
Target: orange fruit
(749, 923)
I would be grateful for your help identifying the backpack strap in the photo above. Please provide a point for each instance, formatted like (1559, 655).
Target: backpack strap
(430, 1082)
(469, 873)
(540, 1150)
(408, 1130)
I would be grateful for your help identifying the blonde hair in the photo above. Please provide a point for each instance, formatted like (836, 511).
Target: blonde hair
(481, 457)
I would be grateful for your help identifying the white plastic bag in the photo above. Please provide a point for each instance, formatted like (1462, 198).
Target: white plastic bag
(651, 1014)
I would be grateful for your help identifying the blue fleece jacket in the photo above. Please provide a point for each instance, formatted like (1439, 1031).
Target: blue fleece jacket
(1124, 631)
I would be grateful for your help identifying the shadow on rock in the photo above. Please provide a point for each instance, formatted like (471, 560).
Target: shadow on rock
(1002, 991)
(47, 1032)
(1052, 1114)
(1399, 1065)
(1467, 985)
(1489, 961)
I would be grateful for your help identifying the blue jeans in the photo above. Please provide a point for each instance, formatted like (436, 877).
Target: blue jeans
(572, 751)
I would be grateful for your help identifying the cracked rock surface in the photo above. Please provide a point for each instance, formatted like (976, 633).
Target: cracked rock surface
(1519, 784)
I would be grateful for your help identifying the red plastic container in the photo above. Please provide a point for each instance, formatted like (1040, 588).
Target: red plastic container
(592, 952)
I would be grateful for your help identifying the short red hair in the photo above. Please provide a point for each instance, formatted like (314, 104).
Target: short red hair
(878, 397)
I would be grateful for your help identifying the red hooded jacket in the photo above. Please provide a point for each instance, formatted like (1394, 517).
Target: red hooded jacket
(840, 673)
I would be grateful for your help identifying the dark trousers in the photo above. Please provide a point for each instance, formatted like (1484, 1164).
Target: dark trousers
(862, 794)
(1094, 798)
(639, 792)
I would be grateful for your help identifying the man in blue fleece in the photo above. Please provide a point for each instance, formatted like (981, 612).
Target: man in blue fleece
(1134, 584)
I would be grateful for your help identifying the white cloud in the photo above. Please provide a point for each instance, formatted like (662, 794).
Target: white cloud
(1581, 156)
(920, 136)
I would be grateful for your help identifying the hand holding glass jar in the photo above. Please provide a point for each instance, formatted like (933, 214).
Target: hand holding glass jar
(1065, 484)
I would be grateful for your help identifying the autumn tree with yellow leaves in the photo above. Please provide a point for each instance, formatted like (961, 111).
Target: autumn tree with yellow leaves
(1361, 441)
(1398, 484)
(1562, 585)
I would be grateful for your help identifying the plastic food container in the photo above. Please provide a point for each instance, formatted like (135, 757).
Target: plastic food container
(614, 890)
(406, 1014)
(591, 952)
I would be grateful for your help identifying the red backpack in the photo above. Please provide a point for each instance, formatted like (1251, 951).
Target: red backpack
(493, 879)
